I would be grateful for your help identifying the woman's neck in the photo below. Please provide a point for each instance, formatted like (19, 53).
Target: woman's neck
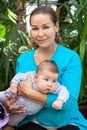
(44, 53)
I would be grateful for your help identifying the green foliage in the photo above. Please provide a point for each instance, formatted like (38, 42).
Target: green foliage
(12, 43)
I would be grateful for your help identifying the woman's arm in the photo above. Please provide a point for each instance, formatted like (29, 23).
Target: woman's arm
(25, 89)
(71, 77)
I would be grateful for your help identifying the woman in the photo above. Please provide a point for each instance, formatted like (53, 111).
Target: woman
(44, 34)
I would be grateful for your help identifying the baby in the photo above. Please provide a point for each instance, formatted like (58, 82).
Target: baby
(43, 80)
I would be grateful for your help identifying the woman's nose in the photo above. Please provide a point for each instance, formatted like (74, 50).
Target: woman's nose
(40, 33)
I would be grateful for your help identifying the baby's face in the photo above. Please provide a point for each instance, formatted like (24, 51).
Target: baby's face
(46, 81)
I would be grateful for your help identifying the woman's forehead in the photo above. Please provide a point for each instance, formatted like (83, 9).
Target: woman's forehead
(40, 17)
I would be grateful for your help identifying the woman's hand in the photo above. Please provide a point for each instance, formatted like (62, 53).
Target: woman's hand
(25, 87)
(9, 105)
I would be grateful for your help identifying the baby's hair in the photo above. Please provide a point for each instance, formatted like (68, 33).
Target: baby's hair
(48, 65)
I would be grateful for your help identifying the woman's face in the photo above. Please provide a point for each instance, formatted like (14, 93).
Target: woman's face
(43, 30)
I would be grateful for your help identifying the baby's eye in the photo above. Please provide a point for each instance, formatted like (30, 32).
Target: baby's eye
(54, 81)
(46, 79)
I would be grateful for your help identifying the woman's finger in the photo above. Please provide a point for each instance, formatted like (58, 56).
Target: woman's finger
(10, 107)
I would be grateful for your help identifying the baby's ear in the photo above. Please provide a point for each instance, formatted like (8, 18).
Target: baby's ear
(35, 76)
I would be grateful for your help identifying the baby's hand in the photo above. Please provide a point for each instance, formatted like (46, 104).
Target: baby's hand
(58, 104)
(13, 88)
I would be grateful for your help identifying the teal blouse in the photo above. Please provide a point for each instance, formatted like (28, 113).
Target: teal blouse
(70, 70)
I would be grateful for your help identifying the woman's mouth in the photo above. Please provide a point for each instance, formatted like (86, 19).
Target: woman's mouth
(42, 40)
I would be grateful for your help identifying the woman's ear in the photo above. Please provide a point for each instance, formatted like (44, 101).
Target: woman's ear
(57, 26)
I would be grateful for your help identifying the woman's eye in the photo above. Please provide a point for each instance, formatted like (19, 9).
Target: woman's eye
(46, 27)
(34, 29)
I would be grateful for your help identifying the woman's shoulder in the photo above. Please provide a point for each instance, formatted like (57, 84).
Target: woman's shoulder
(65, 56)
(27, 54)
(67, 52)
(66, 49)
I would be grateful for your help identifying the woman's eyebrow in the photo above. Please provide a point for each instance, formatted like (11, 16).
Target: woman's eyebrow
(37, 25)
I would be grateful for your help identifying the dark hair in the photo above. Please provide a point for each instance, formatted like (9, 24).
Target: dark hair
(45, 10)
(47, 64)
(52, 14)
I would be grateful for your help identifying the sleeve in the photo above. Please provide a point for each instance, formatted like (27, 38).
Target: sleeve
(62, 92)
(72, 75)
(18, 78)
(50, 99)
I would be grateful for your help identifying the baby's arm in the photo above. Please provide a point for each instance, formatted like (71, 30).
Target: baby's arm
(13, 88)
(15, 82)
(8, 92)
(58, 104)
(63, 96)
(11, 91)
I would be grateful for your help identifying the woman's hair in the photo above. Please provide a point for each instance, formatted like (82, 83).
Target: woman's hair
(47, 65)
(52, 14)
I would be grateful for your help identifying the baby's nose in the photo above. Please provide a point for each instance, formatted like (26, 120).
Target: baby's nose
(49, 83)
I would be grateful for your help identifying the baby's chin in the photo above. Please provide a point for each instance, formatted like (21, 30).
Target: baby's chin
(47, 91)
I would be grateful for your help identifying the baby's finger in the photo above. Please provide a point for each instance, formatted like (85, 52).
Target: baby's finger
(28, 78)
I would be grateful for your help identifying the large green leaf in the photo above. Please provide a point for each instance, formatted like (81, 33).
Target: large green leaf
(2, 31)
